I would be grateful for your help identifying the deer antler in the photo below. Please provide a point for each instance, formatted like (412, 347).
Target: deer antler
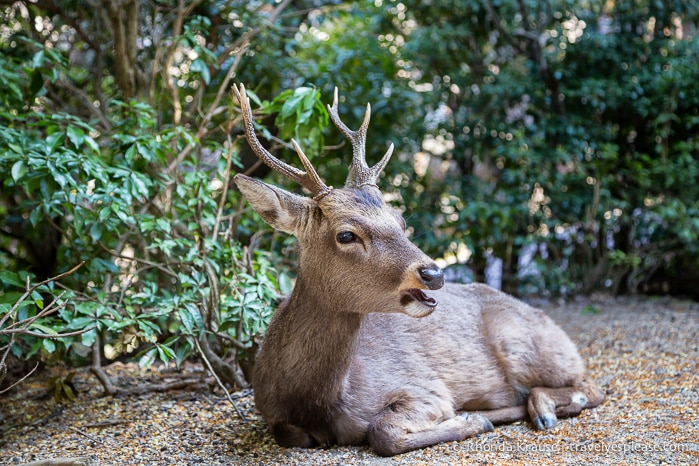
(309, 179)
(360, 174)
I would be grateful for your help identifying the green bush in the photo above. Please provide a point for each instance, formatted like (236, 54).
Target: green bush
(571, 127)
(163, 272)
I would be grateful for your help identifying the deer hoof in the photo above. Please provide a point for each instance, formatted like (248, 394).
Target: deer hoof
(485, 423)
(545, 422)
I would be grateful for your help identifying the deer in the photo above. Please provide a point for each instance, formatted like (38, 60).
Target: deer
(371, 346)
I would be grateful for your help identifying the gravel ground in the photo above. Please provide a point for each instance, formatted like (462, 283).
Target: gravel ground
(644, 352)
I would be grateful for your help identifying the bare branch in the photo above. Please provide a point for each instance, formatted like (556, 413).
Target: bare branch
(98, 370)
(168, 80)
(125, 30)
(52, 307)
(237, 343)
(30, 290)
(220, 384)
(137, 259)
(51, 336)
(238, 50)
(19, 381)
(76, 461)
(224, 191)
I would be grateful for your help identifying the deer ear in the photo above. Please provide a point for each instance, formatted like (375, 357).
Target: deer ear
(278, 207)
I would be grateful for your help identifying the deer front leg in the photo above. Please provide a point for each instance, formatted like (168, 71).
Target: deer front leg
(545, 404)
(394, 432)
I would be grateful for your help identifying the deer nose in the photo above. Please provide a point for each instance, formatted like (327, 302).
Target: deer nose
(432, 276)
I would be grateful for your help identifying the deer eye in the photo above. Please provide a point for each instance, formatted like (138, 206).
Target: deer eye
(346, 237)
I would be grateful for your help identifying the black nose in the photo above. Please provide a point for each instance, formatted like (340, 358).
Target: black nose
(431, 276)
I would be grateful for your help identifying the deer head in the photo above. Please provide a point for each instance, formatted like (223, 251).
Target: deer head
(354, 253)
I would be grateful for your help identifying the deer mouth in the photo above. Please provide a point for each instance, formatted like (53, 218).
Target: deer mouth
(416, 303)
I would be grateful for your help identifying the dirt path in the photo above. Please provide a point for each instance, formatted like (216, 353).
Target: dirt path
(643, 352)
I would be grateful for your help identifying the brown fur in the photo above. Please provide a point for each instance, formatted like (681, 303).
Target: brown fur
(342, 362)
(360, 353)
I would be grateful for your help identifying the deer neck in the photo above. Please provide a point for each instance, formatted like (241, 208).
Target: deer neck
(324, 333)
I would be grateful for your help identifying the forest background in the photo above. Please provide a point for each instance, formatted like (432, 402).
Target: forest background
(548, 147)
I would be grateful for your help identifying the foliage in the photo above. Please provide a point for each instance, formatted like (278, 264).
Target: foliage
(558, 136)
(300, 114)
(147, 239)
(143, 203)
(566, 125)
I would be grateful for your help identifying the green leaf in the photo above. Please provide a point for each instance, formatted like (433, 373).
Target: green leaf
(591, 310)
(182, 352)
(48, 345)
(44, 329)
(75, 135)
(253, 97)
(35, 216)
(37, 83)
(121, 214)
(131, 153)
(11, 278)
(290, 106)
(199, 66)
(88, 338)
(165, 353)
(148, 327)
(16, 148)
(148, 358)
(92, 144)
(16, 351)
(96, 231)
(105, 213)
(285, 283)
(53, 141)
(163, 224)
(19, 169)
(140, 188)
(186, 319)
(58, 177)
(79, 323)
(104, 265)
(38, 59)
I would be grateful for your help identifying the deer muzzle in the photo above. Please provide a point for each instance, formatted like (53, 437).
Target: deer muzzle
(414, 301)
(432, 276)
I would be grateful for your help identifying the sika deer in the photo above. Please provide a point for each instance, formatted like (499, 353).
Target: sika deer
(361, 353)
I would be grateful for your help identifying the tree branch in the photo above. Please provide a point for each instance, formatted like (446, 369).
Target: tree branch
(125, 30)
(224, 191)
(241, 45)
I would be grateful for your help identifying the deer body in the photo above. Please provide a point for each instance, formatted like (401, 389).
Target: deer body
(371, 347)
